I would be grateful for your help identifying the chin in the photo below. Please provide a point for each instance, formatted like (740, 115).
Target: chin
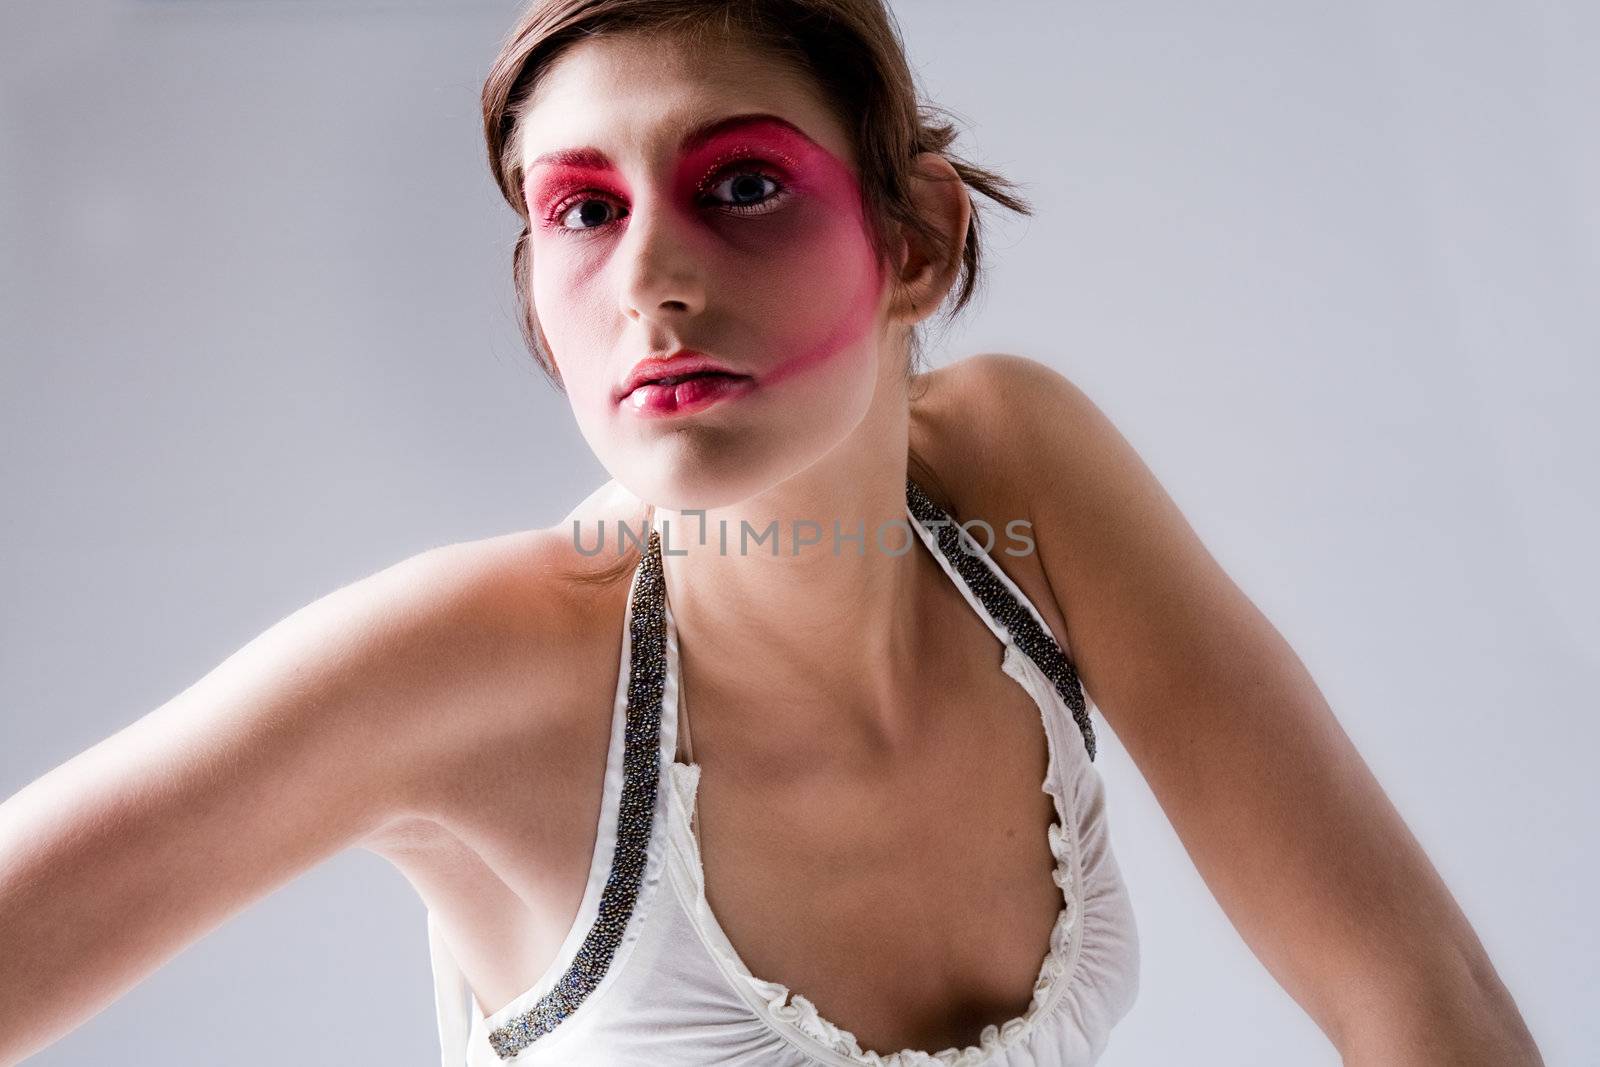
(681, 475)
(713, 463)
(691, 486)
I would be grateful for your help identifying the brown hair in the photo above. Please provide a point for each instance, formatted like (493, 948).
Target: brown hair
(851, 49)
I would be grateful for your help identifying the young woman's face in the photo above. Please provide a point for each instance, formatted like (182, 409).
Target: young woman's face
(700, 201)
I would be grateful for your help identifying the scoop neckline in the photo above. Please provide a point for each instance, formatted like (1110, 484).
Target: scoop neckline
(791, 1014)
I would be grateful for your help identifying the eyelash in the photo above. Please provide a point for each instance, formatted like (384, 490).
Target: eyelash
(737, 168)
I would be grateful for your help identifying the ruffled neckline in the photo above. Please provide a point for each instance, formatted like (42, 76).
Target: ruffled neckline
(794, 1011)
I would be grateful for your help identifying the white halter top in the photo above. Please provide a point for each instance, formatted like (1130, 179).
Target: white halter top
(646, 975)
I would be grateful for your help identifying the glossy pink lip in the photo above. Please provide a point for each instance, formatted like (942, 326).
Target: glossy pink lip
(676, 365)
(654, 400)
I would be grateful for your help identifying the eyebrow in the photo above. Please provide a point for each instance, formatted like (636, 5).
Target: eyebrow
(594, 159)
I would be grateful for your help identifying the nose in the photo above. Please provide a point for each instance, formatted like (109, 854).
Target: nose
(662, 276)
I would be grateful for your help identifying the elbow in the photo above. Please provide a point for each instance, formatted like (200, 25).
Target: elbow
(1458, 1012)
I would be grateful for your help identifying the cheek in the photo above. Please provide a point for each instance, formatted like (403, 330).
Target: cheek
(829, 281)
(568, 298)
(811, 277)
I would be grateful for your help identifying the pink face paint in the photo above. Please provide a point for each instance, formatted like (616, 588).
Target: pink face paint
(788, 282)
(821, 331)
(847, 328)
(835, 246)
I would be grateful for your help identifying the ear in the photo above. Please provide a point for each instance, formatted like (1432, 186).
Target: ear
(925, 272)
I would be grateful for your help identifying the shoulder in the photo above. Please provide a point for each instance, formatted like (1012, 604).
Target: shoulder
(1049, 452)
(1014, 438)
(987, 412)
(1140, 593)
(500, 641)
(978, 430)
(536, 583)
(1018, 434)
(530, 600)
(1001, 393)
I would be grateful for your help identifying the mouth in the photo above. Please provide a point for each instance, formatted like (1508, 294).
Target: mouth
(675, 379)
(684, 394)
(675, 370)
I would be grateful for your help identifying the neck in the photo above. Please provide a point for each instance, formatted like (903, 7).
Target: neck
(792, 631)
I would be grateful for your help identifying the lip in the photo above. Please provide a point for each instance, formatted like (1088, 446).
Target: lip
(655, 401)
(677, 364)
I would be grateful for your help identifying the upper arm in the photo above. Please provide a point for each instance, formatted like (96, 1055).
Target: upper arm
(1279, 813)
(297, 746)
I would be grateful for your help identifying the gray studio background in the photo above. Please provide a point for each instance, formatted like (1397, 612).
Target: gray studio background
(1329, 268)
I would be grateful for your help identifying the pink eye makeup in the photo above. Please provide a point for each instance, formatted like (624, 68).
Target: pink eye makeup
(762, 230)
(556, 218)
(553, 191)
(766, 143)
(747, 156)
(761, 156)
(772, 188)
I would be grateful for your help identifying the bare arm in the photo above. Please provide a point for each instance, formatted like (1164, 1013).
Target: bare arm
(1281, 816)
(301, 744)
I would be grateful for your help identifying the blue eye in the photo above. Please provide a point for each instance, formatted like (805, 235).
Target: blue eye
(746, 188)
(746, 191)
(586, 211)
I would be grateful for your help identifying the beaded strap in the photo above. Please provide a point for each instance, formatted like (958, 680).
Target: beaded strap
(641, 754)
(999, 602)
(641, 772)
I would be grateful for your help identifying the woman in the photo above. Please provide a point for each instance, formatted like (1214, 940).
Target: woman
(885, 813)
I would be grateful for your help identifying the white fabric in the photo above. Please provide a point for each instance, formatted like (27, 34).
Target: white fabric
(677, 995)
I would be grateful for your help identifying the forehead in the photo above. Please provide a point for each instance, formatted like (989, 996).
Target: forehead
(638, 93)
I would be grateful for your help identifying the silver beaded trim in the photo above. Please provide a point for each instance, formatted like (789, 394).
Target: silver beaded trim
(641, 754)
(641, 772)
(1033, 639)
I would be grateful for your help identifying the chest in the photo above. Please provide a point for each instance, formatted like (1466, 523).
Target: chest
(911, 899)
(909, 896)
